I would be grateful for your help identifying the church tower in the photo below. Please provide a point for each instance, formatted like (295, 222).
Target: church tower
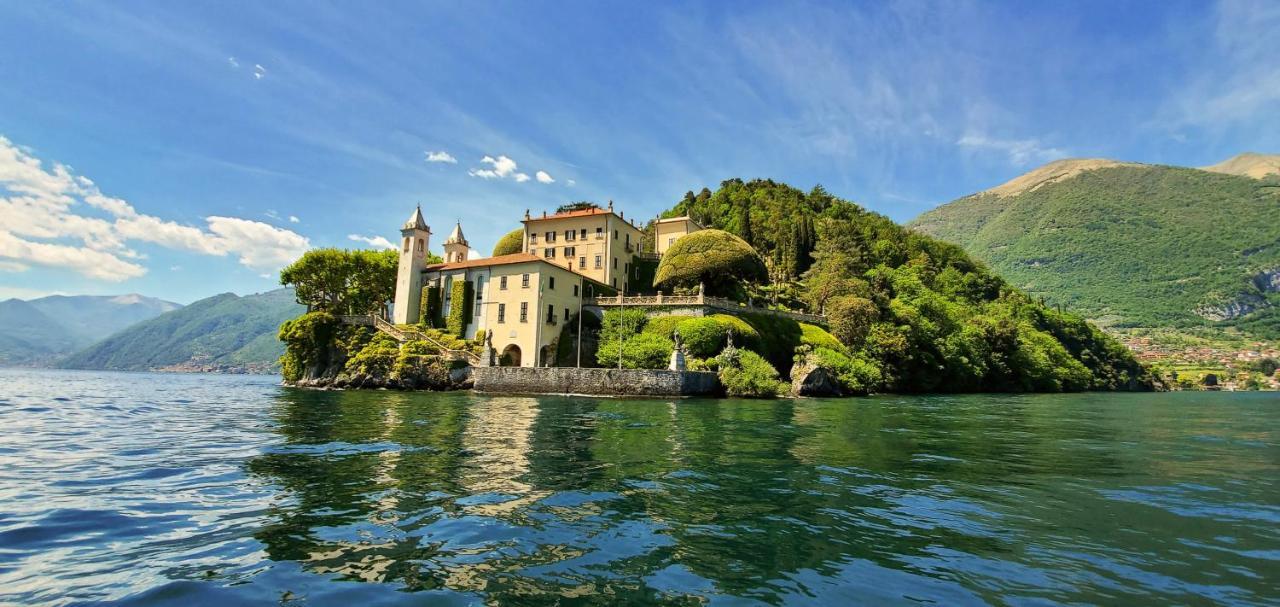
(456, 246)
(415, 236)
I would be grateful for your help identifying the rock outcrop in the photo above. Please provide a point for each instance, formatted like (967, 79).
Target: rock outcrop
(808, 378)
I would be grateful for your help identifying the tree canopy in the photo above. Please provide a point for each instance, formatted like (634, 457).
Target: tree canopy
(715, 258)
(512, 242)
(342, 281)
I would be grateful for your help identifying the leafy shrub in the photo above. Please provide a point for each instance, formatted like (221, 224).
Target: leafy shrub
(511, 242)
(715, 258)
(855, 374)
(306, 340)
(376, 359)
(702, 337)
(432, 303)
(746, 374)
(817, 337)
(643, 351)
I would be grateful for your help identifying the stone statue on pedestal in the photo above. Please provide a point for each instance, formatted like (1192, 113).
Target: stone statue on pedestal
(677, 353)
(490, 355)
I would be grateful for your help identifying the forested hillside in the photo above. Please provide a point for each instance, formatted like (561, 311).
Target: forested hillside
(1135, 245)
(923, 313)
(225, 331)
(39, 331)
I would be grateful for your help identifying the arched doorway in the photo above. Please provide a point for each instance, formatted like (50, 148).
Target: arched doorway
(510, 356)
(547, 356)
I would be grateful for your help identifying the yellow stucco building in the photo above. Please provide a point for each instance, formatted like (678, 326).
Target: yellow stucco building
(521, 301)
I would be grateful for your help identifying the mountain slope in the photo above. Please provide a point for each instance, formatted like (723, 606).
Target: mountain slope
(1248, 164)
(38, 331)
(221, 332)
(28, 336)
(1133, 245)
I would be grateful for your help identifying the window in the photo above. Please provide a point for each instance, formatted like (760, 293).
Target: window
(582, 234)
(566, 314)
(575, 290)
(479, 296)
(549, 253)
(420, 245)
(551, 282)
(599, 233)
(524, 281)
(524, 311)
(599, 261)
(502, 283)
(614, 282)
(502, 312)
(406, 245)
(626, 268)
(628, 239)
(615, 263)
(615, 234)
(670, 241)
(551, 236)
(569, 234)
(533, 238)
(570, 251)
(533, 251)
(551, 314)
(582, 263)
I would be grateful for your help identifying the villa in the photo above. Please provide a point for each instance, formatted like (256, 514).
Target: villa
(521, 301)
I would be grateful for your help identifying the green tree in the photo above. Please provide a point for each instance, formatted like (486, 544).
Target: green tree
(851, 318)
(717, 259)
(511, 242)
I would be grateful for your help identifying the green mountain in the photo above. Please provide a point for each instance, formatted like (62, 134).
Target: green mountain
(41, 330)
(1134, 245)
(223, 332)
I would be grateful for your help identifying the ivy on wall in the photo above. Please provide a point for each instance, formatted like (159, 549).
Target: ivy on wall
(462, 300)
(431, 304)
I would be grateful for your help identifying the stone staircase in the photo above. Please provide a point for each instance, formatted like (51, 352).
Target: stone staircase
(403, 335)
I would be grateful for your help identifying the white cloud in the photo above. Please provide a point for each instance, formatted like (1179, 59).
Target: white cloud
(232, 61)
(441, 156)
(498, 168)
(571, 182)
(521, 177)
(543, 177)
(13, 266)
(294, 219)
(259, 72)
(1020, 151)
(377, 241)
(50, 220)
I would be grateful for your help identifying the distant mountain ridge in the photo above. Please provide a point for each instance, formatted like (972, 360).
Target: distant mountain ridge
(1132, 244)
(38, 331)
(225, 332)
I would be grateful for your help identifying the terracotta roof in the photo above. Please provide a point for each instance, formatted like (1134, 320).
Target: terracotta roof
(578, 213)
(504, 260)
(501, 260)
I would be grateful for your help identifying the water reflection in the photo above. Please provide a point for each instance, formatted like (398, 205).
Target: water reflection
(948, 500)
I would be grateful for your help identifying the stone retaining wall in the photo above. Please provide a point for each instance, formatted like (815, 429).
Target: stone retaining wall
(603, 382)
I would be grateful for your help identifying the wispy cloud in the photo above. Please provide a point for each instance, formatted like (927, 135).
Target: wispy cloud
(544, 177)
(1020, 152)
(259, 72)
(376, 241)
(232, 62)
(294, 219)
(441, 156)
(58, 219)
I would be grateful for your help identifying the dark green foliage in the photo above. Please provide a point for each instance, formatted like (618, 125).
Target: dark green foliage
(306, 340)
(744, 373)
(920, 311)
(719, 260)
(1130, 245)
(855, 374)
(643, 272)
(432, 306)
(344, 281)
(377, 358)
(511, 242)
(702, 337)
(642, 351)
(851, 318)
(705, 336)
(461, 302)
(226, 330)
(581, 205)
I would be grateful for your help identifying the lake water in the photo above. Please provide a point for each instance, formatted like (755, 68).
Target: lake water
(190, 490)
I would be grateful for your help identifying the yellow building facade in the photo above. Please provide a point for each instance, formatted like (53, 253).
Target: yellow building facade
(667, 231)
(597, 243)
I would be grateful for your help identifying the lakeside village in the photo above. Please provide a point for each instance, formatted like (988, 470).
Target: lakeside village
(533, 318)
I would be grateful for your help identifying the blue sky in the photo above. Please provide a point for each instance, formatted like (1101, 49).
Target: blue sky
(183, 149)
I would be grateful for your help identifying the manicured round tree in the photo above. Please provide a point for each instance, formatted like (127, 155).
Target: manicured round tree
(717, 259)
(513, 242)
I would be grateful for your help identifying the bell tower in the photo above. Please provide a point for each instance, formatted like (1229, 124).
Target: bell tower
(456, 246)
(414, 239)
